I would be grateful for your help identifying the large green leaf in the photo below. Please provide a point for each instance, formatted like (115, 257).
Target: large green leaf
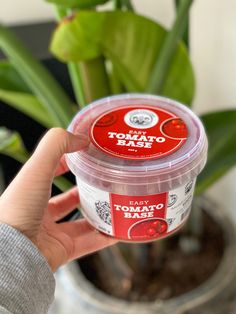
(16, 93)
(131, 42)
(221, 131)
(81, 4)
(12, 145)
(81, 35)
(28, 104)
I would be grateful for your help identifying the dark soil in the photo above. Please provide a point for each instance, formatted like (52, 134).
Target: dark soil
(160, 270)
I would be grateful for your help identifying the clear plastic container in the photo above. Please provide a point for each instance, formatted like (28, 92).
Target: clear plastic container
(136, 178)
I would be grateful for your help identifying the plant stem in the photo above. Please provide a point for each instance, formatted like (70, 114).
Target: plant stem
(196, 218)
(120, 4)
(117, 4)
(41, 82)
(115, 83)
(77, 83)
(185, 35)
(60, 12)
(95, 79)
(73, 68)
(128, 5)
(119, 268)
(164, 58)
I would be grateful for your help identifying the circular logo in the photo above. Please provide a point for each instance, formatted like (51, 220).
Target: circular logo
(141, 118)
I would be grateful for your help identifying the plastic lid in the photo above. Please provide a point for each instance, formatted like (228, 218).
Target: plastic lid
(138, 139)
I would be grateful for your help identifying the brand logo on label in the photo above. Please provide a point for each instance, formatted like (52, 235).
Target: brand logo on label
(141, 119)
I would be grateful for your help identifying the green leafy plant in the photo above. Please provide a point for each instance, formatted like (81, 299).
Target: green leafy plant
(108, 52)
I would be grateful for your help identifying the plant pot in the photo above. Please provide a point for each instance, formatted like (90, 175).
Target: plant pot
(78, 295)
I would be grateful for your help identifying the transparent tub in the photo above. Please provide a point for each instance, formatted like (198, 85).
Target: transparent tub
(136, 177)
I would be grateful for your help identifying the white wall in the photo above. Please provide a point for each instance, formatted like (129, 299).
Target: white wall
(213, 49)
(21, 11)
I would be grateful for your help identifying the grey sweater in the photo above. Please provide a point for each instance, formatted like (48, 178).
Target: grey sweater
(27, 283)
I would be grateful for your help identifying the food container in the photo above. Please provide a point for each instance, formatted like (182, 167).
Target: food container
(136, 177)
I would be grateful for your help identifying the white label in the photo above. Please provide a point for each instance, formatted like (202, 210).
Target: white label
(179, 204)
(95, 206)
(136, 218)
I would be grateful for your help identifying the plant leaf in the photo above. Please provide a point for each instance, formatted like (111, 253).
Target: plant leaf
(176, 88)
(131, 42)
(12, 145)
(221, 131)
(81, 33)
(37, 77)
(16, 93)
(27, 104)
(10, 79)
(62, 183)
(81, 4)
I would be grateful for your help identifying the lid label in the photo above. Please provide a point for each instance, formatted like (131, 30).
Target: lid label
(140, 133)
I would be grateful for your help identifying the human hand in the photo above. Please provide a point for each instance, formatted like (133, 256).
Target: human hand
(26, 203)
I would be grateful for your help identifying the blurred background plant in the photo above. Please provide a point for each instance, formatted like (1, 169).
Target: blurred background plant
(111, 52)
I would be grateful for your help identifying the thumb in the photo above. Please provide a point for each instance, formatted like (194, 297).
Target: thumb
(52, 147)
(38, 172)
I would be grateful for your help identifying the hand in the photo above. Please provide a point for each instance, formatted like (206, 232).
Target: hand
(26, 203)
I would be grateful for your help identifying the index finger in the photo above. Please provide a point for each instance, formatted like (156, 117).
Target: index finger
(84, 237)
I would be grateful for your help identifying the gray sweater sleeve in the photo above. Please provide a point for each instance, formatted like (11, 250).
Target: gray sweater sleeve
(27, 283)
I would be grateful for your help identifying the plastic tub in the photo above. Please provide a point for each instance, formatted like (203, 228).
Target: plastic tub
(136, 178)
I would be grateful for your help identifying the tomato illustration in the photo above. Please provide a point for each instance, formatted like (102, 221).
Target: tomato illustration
(175, 128)
(148, 229)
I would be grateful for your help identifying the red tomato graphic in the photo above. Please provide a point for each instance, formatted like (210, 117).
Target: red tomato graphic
(148, 229)
(175, 128)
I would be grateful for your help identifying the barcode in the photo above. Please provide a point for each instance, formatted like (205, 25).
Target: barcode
(185, 214)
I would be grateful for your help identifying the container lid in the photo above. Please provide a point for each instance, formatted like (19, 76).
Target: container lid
(138, 137)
